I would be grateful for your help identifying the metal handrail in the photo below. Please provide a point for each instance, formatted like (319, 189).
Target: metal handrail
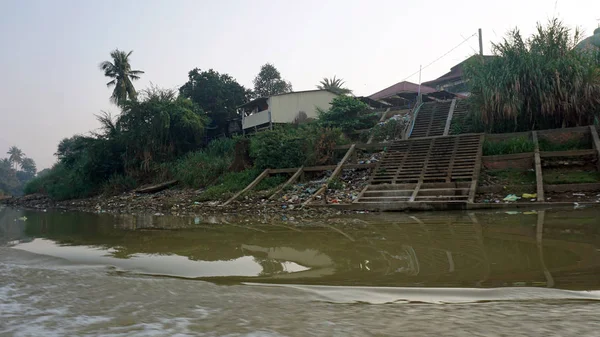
(414, 119)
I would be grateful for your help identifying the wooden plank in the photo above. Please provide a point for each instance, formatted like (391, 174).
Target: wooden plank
(570, 153)
(323, 168)
(596, 141)
(306, 169)
(449, 119)
(442, 196)
(392, 197)
(538, 167)
(290, 181)
(334, 175)
(258, 179)
(157, 187)
(364, 190)
(475, 177)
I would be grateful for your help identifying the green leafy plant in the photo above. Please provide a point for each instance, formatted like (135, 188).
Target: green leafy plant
(291, 146)
(508, 146)
(388, 131)
(336, 184)
(348, 114)
(201, 168)
(335, 85)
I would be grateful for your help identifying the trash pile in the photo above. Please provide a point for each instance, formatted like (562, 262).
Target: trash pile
(369, 158)
(574, 197)
(300, 192)
(348, 187)
(496, 198)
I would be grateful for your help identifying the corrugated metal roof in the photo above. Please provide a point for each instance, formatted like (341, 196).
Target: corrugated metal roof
(401, 87)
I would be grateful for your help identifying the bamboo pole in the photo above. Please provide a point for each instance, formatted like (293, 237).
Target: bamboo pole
(538, 168)
(258, 179)
(290, 181)
(335, 173)
(449, 119)
(475, 179)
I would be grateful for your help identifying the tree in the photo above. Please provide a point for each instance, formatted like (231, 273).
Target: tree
(536, 83)
(334, 85)
(43, 172)
(348, 114)
(28, 166)
(122, 76)
(9, 183)
(218, 95)
(16, 156)
(159, 128)
(268, 82)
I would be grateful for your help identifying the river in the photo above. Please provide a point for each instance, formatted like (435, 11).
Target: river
(419, 274)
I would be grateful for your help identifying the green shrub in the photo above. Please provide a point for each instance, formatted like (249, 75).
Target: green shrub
(388, 131)
(117, 184)
(509, 146)
(336, 184)
(201, 168)
(289, 146)
(62, 183)
(348, 114)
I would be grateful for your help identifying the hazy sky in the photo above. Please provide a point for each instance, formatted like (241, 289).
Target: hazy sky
(51, 87)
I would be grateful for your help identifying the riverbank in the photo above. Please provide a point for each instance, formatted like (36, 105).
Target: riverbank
(177, 202)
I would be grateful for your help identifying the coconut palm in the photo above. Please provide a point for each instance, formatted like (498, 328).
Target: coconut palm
(122, 76)
(16, 156)
(334, 85)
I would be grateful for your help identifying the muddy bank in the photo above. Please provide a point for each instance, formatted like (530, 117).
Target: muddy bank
(177, 202)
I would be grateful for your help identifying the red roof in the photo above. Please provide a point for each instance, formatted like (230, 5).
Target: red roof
(401, 87)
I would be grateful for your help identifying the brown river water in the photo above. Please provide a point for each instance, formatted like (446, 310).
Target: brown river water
(418, 274)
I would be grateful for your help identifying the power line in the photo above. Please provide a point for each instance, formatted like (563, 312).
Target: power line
(439, 58)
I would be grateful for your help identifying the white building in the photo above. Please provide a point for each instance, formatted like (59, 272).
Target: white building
(285, 108)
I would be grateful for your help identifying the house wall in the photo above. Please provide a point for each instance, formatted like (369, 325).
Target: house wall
(285, 108)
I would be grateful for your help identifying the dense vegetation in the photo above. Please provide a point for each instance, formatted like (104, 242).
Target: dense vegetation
(536, 83)
(186, 135)
(15, 171)
(193, 134)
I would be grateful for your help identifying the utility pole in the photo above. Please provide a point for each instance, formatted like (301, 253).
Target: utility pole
(480, 43)
(419, 90)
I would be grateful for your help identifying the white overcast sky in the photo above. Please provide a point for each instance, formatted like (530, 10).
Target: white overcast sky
(51, 87)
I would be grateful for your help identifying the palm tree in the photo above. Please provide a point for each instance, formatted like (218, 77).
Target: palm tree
(16, 156)
(122, 76)
(334, 85)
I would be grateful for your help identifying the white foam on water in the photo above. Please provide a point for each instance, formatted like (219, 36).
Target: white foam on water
(383, 295)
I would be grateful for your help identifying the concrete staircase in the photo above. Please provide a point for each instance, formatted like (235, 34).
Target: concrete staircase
(431, 119)
(433, 169)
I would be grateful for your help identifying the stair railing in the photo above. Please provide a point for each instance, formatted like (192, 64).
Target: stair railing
(409, 128)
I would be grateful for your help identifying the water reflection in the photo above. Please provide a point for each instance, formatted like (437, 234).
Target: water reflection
(557, 249)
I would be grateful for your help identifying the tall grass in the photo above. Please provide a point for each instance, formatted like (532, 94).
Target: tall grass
(536, 83)
(508, 146)
(233, 182)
